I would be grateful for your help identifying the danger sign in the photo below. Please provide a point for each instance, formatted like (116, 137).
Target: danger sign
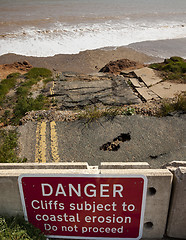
(85, 206)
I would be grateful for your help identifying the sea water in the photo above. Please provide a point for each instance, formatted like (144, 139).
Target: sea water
(49, 27)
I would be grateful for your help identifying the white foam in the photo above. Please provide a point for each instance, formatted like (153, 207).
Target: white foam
(67, 39)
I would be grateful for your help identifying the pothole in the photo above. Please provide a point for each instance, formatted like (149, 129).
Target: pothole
(115, 144)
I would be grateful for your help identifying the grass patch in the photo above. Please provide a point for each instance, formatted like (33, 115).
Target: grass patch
(91, 114)
(33, 77)
(36, 73)
(26, 104)
(16, 228)
(173, 68)
(5, 117)
(47, 80)
(174, 105)
(22, 102)
(7, 84)
(8, 145)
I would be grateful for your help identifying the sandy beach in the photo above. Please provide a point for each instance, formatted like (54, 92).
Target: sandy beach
(82, 36)
(90, 61)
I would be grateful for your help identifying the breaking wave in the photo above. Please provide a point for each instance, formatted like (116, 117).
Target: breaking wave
(71, 39)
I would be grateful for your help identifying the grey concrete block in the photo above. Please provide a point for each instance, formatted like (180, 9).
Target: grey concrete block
(157, 201)
(10, 201)
(15, 173)
(174, 165)
(177, 215)
(124, 165)
(61, 165)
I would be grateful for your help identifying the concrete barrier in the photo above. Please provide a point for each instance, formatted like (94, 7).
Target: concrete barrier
(66, 165)
(172, 166)
(177, 214)
(124, 165)
(157, 202)
(10, 201)
(77, 165)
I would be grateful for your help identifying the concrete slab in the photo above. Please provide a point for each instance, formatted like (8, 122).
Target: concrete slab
(167, 89)
(157, 201)
(124, 165)
(135, 82)
(77, 165)
(177, 213)
(15, 173)
(145, 93)
(148, 76)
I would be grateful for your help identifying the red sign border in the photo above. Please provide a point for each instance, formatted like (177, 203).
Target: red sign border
(88, 176)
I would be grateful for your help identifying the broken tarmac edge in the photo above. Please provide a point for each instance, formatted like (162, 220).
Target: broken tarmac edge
(161, 190)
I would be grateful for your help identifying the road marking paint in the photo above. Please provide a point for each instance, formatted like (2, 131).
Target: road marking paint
(54, 142)
(52, 89)
(37, 155)
(40, 150)
(43, 142)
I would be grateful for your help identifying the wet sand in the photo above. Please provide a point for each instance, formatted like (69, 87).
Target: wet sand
(162, 48)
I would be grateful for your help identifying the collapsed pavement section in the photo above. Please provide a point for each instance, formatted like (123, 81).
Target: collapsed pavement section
(77, 91)
(149, 86)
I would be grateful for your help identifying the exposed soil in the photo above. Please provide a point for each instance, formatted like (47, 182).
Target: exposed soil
(115, 67)
(16, 67)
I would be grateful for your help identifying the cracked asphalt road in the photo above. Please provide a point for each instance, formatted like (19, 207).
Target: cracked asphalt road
(78, 91)
(154, 140)
(150, 139)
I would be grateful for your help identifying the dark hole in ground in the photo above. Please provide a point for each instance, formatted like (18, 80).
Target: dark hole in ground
(123, 137)
(105, 146)
(114, 147)
(153, 157)
(115, 144)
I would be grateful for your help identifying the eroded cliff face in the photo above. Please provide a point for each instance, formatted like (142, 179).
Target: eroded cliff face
(18, 67)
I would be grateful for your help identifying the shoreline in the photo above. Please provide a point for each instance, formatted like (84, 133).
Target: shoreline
(91, 61)
(86, 62)
(162, 48)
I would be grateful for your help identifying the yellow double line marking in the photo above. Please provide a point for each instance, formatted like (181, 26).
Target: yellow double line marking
(40, 149)
(54, 142)
(40, 153)
(52, 89)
